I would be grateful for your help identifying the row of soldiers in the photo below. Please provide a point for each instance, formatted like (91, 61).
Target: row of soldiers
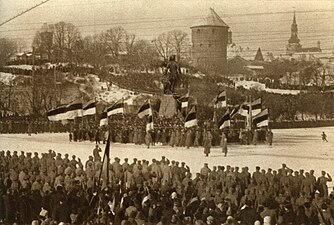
(18, 124)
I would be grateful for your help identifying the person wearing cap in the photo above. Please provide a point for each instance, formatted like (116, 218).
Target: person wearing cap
(322, 184)
(257, 175)
(205, 170)
(125, 164)
(183, 170)
(73, 162)
(156, 170)
(166, 173)
(307, 185)
(96, 153)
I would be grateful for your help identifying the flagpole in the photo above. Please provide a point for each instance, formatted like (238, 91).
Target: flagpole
(103, 160)
(95, 111)
(151, 113)
(82, 117)
(215, 115)
(250, 112)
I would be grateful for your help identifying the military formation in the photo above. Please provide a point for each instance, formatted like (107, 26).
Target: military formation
(55, 189)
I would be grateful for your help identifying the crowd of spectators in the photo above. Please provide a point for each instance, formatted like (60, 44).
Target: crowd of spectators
(55, 189)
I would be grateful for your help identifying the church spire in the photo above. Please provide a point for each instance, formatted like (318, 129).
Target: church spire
(294, 31)
(294, 45)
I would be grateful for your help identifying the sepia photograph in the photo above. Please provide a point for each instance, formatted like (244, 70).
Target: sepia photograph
(166, 112)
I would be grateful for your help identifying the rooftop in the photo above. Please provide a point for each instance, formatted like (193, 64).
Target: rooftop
(212, 19)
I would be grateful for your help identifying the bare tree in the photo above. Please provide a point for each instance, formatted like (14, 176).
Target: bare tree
(65, 37)
(163, 45)
(145, 54)
(129, 42)
(94, 50)
(178, 40)
(113, 40)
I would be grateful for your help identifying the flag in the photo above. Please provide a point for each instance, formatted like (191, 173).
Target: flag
(145, 110)
(149, 125)
(191, 119)
(89, 108)
(57, 114)
(221, 100)
(256, 106)
(74, 110)
(184, 101)
(261, 119)
(244, 109)
(225, 121)
(104, 119)
(235, 110)
(116, 108)
(105, 164)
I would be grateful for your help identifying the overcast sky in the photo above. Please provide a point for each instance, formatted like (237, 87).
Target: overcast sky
(254, 23)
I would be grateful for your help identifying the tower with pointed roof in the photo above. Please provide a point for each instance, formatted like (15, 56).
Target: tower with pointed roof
(209, 43)
(259, 56)
(294, 45)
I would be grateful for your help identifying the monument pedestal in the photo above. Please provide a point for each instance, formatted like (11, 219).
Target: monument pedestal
(168, 106)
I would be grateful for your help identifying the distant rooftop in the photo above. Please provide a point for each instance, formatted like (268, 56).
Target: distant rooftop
(212, 19)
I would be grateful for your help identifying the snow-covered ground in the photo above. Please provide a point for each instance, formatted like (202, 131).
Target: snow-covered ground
(6, 78)
(24, 67)
(104, 92)
(262, 87)
(298, 148)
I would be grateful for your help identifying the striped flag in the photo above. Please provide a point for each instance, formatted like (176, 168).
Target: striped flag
(105, 164)
(225, 121)
(220, 100)
(145, 110)
(184, 101)
(191, 119)
(57, 114)
(74, 110)
(116, 108)
(256, 106)
(244, 109)
(149, 125)
(104, 119)
(261, 119)
(89, 108)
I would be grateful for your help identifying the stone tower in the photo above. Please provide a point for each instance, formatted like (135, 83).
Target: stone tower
(294, 45)
(209, 43)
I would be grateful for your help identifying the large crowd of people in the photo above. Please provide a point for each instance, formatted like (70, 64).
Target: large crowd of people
(55, 189)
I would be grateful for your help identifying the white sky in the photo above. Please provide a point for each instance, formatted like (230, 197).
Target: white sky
(254, 23)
